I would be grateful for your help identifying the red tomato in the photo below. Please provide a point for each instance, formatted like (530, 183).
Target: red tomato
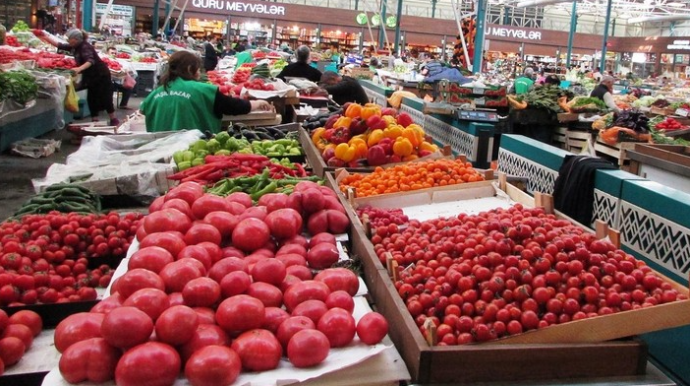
(292, 249)
(19, 331)
(172, 242)
(179, 204)
(126, 327)
(188, 191)
(240, 313)
(206, 315)
(305, 290)
(271, 271)
(284, 224)
(225, 266)
(250, 234)
(166, 220)
(176, 275)
(274, 317)
(108, 304)
(338, 325)
(151, 258)
(223, 221)
(213, 250)
(299, 271)
(205, 335)
(77, 327)
(150, 300)
(339, 279)
(136, 279)
(269, 295)
(209, 203)
(177, 325)
(312, 309)
(201, 292)
(196, 252)
(92, 360)
(28, 318)
(340, 299)
(150, 363)
(258, 349)
(372, 328)
(200, 232)
(11, 350)
(213, 365)
(307, 348)
(235, 283)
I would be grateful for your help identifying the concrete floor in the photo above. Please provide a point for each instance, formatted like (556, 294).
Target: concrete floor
(17, 171)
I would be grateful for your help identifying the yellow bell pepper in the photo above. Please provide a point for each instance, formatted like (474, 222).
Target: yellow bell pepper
(369, 111)
(410, 157)
(345, 152)
(390, 120)
(428, 146)
(375, 137)
(402, 147)
(393, 132)
(360, 146)
(411, 136)
(343, 122)
(317, 138)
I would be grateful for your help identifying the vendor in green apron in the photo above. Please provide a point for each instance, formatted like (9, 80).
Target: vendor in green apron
(181, 102)
(523, 83)
(242, 58)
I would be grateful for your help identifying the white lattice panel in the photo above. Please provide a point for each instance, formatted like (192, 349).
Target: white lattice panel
(375, 97)
(459, 141)
(655, 237)
(417, 116)
(606, 208)
(539, 177)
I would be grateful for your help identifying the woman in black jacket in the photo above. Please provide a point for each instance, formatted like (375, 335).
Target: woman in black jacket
(210, 54)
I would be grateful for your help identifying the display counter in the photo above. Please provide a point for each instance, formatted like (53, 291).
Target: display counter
(651, 217)
(39, 117)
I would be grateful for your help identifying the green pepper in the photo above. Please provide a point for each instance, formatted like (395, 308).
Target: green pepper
(270, 188)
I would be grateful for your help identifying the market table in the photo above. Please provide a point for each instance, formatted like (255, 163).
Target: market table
(37, 118)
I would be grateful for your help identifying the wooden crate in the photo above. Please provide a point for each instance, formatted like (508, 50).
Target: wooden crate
(320, 168)
(559, 137)
(617, 151)
(577, 140)
(578, 349)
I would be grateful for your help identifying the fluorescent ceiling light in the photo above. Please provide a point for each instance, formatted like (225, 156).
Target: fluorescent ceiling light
(651, 19)
(534, 3)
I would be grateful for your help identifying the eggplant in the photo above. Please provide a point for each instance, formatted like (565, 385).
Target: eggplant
(264, 136)
(276, 133)
(250, 135)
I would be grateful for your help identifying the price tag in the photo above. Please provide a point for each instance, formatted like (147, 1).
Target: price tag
(682, 112)
(478, 91)
(480, 101)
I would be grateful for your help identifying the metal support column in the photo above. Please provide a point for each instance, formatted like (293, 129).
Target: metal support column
(607, 23)
(433, 8)
(87, 14)
(361, 41)
(398, 16)
(479, 36)
(168, 14)
(573, 29)
(154, 18)
(382, 25)
(356, 5)
(228, 31)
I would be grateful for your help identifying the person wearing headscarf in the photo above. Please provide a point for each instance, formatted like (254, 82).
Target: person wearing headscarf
(181, 102)
(95, 75)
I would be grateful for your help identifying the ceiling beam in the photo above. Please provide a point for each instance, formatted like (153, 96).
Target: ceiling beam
(535, 3)
(651, 19)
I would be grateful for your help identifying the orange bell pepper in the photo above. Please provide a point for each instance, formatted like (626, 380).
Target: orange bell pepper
(375, 137)
(402, 147)
(354, 110)
(369, 111)
(428, 146)
(360, 147)
(317, 138)
(411, 135)
(345, 152)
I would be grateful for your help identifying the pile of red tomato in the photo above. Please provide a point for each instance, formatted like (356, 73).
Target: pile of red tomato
(505, 271)
(225, 286)
(46, 258)
(17, 333)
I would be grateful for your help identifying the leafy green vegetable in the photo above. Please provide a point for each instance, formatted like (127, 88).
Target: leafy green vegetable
(583, 101)
(545, 97)
(18, 85)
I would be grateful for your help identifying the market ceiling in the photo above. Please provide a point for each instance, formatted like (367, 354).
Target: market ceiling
(635, 11)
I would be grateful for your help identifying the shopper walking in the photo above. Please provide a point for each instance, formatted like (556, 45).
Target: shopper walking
(182, 102)
(95, 75)
(604, 91)
(119, 86)
(210, 54)
(301, 68)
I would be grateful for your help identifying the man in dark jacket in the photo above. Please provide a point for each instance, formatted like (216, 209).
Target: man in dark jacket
(210, 54)
(301, 68)
(343, 89)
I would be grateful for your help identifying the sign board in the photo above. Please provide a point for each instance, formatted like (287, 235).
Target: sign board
(510, 32)
(239, 6)
(118, 21)
(679, 45)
